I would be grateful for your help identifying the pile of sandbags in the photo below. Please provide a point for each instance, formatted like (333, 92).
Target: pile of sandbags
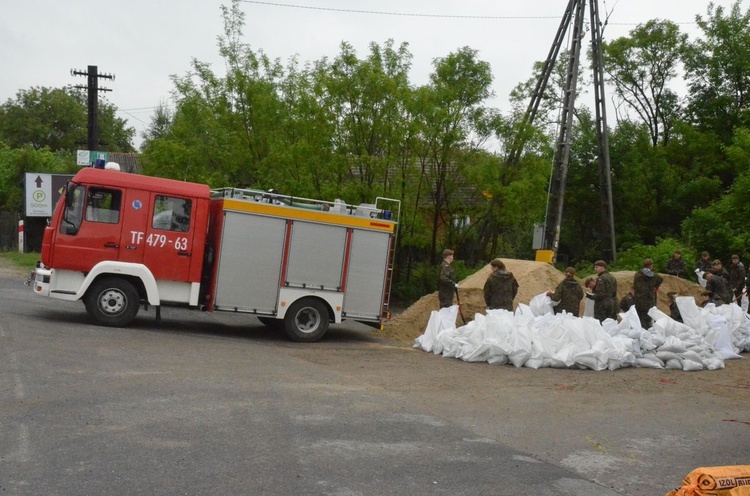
(533, 336)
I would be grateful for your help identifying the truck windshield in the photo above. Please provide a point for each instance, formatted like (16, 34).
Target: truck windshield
(73, 213)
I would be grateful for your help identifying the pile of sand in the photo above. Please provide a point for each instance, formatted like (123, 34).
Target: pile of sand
(533, 279)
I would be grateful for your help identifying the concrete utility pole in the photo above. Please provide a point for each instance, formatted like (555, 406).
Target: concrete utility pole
(93, 101)
(574, 14)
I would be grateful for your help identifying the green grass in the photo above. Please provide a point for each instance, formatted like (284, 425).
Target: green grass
(23, 260)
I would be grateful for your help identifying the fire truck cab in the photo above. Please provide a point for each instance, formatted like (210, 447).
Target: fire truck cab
(119, 240)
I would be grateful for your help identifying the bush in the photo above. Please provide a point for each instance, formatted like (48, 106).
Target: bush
(632, 259)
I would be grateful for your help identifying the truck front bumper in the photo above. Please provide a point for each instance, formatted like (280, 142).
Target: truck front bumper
(42, 276)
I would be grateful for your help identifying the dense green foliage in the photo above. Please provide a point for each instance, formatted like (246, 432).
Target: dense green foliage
(355, 127)
(16, 162)
(56, 118)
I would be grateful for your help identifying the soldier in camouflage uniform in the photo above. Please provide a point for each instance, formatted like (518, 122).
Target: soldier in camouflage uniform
(501, 287)
(605, 293)
(646, 283)
(718, 269)
(704, 264)
(737, 278)
(676, 265)
(568, 294)
(718, 287)
(446, 280)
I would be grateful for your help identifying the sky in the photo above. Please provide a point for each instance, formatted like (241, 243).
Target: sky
(144, 42)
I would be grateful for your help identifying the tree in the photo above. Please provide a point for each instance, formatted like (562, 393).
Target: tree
(56, 118)
(721, 227)
(16, 162)
(641, 66)
(367, 100)
(718, 71)
(447, 112)
(160, 125)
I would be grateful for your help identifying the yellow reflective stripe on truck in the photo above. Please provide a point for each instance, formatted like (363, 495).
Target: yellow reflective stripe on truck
(312, 215)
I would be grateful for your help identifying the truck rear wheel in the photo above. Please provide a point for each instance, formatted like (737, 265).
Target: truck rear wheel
(112, 302)
(306, 321)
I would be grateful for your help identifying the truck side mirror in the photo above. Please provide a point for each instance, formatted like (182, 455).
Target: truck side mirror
(69, 196)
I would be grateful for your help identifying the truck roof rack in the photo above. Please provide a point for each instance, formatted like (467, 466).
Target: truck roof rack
(383, 208)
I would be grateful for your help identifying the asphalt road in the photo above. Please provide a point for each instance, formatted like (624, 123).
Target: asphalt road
(218, 404)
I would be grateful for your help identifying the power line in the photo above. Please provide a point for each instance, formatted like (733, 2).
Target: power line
(134, 117)
(403, 14)
(419, 14)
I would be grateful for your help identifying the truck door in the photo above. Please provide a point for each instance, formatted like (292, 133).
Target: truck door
(135, 217)
(90, 230)
(168, 240)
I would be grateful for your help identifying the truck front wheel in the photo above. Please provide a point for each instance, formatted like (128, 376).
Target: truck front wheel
(306, 321)
(112, 302)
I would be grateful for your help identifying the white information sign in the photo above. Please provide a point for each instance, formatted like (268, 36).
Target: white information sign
(88, 157)
(38, 195)
(43, 191)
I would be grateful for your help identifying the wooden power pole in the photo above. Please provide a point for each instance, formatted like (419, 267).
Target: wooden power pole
(93, 90)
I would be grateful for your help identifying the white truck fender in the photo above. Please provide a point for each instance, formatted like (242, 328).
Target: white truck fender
(123, 268)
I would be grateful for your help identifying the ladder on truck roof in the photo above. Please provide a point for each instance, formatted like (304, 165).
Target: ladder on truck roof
(386, 312)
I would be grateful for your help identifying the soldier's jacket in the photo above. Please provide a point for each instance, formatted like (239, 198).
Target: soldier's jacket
(605, 296)
(645, 283)
(676, 267)
(446, 284)
(723, 273)
(569, 295)
(720, 289)
(703, 265)
(500, 289)
(737, 278)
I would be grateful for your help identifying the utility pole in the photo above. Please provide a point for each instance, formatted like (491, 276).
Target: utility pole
(93, 90)
(574, 14)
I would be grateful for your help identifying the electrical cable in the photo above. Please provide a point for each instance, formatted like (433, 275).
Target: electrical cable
(435, 16)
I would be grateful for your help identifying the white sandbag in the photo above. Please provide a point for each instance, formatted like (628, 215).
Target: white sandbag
(673, 364)
(656, 314)
(497, 359)
(673, 344)
(691, 355)
(689, 311)
(446, 341)
(444, 318)
(590, 360)
(690, 365)
(720, 338)
(541, 304)
(563, 341)
(665, 355)
(701, 279)
(630, 320)
(714, 363)
(649, 361)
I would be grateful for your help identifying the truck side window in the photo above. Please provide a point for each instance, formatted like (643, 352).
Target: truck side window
(73, 213)
(103, 205)
(172, 214)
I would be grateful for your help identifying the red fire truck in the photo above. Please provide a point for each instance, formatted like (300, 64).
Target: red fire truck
(118, 241)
